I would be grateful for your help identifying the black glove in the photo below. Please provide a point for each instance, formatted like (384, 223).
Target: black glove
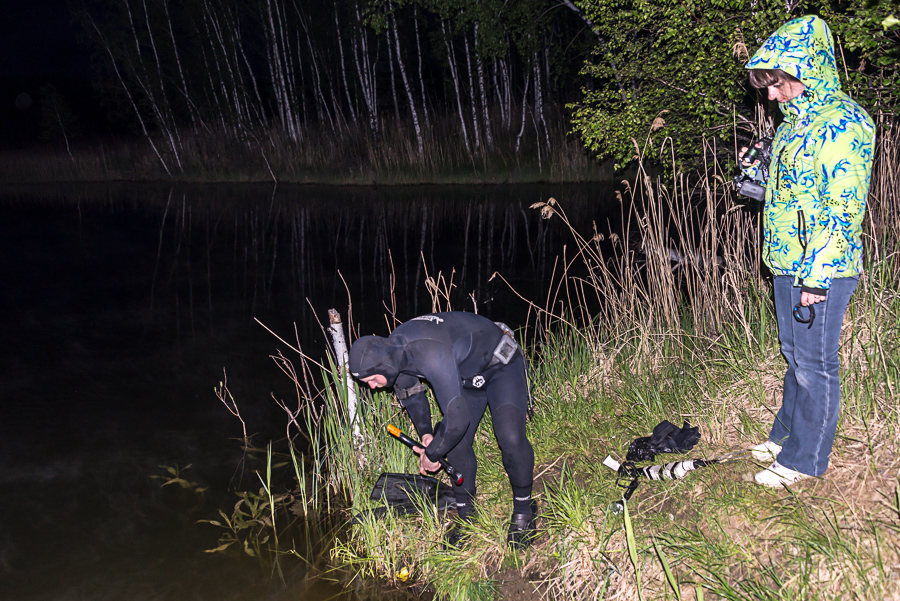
(666, 438)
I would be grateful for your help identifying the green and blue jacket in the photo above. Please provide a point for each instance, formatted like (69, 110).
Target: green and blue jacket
(821, 163)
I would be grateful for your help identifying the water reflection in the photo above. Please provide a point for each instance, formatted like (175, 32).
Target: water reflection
(122, 304)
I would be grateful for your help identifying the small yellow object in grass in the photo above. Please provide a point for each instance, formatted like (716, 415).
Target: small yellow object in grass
(403, 574)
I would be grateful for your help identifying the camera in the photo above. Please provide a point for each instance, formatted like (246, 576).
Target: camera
(755, 187)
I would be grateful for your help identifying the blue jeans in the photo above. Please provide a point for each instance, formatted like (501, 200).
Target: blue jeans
(807, 421)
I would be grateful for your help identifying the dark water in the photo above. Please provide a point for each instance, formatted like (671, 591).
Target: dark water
(120, 307)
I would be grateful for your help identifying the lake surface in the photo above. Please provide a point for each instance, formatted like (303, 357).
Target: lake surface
(121, 306)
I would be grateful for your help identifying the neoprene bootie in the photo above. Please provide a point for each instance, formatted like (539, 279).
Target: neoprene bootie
(456, 536)
(522, 528)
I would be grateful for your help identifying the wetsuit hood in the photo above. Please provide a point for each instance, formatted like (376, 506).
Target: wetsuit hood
(372, 355)
(803, 48)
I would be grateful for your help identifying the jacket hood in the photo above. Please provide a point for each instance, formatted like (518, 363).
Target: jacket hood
(802, 48)
(372, 355)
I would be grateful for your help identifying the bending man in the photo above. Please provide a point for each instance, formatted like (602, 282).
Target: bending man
(470, 363)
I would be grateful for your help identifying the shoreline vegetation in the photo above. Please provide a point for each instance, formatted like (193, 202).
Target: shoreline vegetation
(625, 341)
(268, 156)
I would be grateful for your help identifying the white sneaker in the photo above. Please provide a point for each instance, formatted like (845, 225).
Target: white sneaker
(777, 475)
(767, 451)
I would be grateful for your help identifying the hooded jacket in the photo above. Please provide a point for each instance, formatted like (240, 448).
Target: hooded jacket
(821, 163)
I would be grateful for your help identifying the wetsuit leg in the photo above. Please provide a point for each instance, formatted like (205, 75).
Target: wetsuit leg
(462, 456)
(508, 399)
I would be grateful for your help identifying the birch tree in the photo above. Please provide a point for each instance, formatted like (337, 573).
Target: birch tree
(406, 85)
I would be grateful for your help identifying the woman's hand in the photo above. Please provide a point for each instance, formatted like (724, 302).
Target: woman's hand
(743, 152)
(808, 298)
(426, 465)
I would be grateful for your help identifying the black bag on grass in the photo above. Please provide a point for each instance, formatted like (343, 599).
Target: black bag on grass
(401, 491)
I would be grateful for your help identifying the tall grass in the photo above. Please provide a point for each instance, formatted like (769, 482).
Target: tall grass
(671, 320)
(353, 157)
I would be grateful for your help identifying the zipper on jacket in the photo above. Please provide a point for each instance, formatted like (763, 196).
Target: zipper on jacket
(778, 169)
(801, 235)
(775, 191)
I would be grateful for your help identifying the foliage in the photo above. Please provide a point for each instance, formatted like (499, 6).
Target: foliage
(872, 53)
(675, 68)
(175, 475)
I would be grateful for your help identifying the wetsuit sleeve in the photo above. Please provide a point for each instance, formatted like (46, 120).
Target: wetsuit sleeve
(843, 166)
(452, 429)
(416, 405)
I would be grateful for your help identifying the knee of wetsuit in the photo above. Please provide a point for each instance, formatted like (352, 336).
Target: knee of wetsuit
(509, 427)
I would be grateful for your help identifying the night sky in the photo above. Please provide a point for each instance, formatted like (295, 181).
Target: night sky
(39, 44)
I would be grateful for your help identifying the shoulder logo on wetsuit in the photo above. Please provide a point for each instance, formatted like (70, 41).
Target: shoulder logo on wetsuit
(431, 318)
(478, 381)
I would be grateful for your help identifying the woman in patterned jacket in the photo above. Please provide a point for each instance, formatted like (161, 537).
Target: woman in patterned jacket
(815, 202)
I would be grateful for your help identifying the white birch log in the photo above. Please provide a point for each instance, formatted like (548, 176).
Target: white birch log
(342, 359)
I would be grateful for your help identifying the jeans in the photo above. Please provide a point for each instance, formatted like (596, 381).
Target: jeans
(807, 421)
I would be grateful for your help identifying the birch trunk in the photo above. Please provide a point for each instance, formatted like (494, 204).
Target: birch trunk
(321, 101)
(488, 134)
(524, 110)
(454, 73)
(412, 103)
(337, 31)
(387, 37)
(231, 96)
(365, 72)
(539, 103)
(499, 92)
(213, 71)
(192, 110)
(275, 53)
(159, 103)
(128, 93)
(476, 129)
(425, 116)
(239, 47)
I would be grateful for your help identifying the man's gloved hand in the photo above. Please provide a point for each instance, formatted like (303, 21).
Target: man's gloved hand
(426, 465)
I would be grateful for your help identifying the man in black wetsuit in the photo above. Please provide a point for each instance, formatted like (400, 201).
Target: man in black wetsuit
(470, 362)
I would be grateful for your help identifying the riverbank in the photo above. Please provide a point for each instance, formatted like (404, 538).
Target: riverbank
(607, 365)
(321, 158)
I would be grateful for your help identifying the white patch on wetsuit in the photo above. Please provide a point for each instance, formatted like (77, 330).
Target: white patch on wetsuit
(432, 318)
(478, 381)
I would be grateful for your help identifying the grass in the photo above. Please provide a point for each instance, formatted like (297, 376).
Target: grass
(352, 158)
(622, 343)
